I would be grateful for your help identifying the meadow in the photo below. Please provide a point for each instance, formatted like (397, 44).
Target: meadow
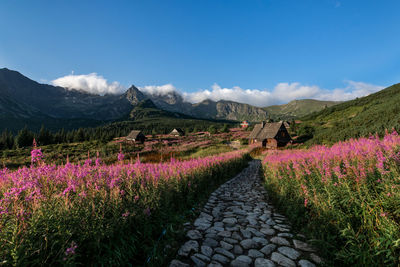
(346, 197)
(103, 214)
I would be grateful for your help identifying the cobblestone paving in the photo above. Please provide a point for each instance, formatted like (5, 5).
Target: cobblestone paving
(237, 227)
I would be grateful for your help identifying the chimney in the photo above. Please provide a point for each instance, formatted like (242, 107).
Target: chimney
(262, 124)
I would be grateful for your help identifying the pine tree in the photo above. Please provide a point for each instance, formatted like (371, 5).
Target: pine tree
(24, 138)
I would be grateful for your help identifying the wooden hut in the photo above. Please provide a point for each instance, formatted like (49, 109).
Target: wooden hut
(136, 136)
(177, 132)
(270, 135)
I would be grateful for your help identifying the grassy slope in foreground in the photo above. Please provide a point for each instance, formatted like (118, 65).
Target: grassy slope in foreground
(359, 117)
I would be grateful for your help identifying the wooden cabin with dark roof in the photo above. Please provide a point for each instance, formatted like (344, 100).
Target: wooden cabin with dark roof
(136, 136)
(270, 135)
(177, 132)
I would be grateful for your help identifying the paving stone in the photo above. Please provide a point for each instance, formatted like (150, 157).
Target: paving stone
(270, 222)
(236, 236)
(255, 232)
(306, 263)
(206, 216)
(226, 245)
(264, 217)
(282, 260)
(285, 235)
(267, 231)
(280, 228)
(224, 234)
(260, 240)
(237, 249)
(253, 253)
(194, 234)
(197, 261)
(176, 263)
(244, 259)
(214, 264)
(210, 242)
(248, 243)
(261, 262)
(230, 221)
(211, 235)
(231, 240)
(221, 259)
(218, 224)
(238, 263)
(188, 247)
(245, 233)
(279, 241)
(268, 249)
(289, 252)
(225, 253)
(206, 250)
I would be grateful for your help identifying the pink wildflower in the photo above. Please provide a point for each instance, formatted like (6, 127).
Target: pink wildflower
(121, 155)
(36, 153)
(71, 250)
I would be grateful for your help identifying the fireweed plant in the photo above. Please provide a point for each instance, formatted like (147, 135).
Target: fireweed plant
(347, 195)
(97, 214)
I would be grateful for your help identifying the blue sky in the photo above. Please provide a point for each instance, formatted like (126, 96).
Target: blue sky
(208, 48)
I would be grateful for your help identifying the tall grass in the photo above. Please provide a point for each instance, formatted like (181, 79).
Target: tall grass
(97, 214)
(347, 195)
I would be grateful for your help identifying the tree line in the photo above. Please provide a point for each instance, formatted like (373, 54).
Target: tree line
(25, 136)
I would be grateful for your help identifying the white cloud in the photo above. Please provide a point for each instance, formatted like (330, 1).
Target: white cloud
(282, 93)
(158, 90)
(91, 83)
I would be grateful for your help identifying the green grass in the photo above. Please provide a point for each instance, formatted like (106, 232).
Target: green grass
(360, 117)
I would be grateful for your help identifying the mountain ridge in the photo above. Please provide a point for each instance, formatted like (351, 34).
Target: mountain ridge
(24, 101)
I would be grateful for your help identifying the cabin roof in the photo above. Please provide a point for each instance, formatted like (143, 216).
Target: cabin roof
(265, 130)
(270, 130)
(134, 134)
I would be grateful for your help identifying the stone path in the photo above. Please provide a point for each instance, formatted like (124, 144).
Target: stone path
(237, 227)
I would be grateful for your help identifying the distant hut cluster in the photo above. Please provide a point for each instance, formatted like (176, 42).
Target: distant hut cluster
(270, 135)
(245, 124)
(136, 136)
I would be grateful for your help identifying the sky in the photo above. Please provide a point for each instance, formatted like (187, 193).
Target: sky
(260, 52)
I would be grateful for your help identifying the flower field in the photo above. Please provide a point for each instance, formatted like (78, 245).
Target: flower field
(101, 214)
(347, 195)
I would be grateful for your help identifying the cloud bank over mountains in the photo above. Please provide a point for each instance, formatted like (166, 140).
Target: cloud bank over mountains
(91, 83)
(280, 94)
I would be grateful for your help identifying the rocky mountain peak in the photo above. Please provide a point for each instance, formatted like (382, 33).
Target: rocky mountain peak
(134, 95)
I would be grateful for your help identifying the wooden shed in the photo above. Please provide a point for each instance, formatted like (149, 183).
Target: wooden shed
(136, 136)
(177, 132)
(270, 135)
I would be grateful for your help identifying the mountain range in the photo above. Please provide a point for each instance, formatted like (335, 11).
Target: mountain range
(27, 102)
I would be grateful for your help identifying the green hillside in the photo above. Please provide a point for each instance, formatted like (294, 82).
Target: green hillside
(298, 108)
(355, 118)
